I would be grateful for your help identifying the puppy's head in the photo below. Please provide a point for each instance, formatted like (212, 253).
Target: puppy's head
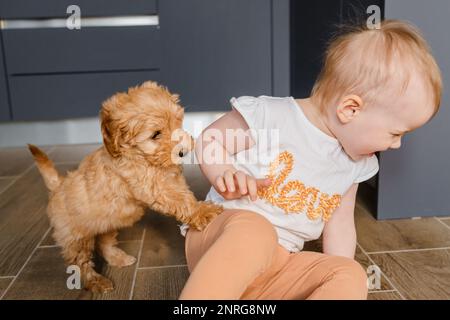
(145, 123)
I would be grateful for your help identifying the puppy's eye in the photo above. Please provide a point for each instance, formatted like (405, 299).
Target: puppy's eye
(156, 135)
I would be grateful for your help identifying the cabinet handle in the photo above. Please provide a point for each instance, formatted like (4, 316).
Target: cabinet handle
(120, 21)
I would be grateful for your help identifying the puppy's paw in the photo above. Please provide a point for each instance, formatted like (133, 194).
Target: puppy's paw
(118, 258)
(127, 260)
(99, 284)
(206, 211)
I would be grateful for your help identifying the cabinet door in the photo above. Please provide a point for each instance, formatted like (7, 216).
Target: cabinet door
(215, 49)
(60, 96)
(4, 106)
(60, 50)
(414, 180)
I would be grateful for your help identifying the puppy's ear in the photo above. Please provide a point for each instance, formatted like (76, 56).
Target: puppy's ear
(179, 114)
(109, 132)
(150, 84)
(175, 98)
(154, 85)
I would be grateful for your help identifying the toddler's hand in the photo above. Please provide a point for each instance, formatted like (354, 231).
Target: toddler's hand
(234, 185)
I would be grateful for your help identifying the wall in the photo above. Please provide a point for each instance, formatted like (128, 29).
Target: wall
(415, 180)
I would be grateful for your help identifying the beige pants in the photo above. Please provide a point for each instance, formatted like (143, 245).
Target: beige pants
(237, 256)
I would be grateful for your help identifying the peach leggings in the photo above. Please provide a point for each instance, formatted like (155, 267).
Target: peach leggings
(237, 256)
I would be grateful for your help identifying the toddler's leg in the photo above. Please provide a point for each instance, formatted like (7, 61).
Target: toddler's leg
(224, 258)
(315, 276)
(339, 278)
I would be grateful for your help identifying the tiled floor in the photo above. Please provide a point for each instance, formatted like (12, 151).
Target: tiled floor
(413, 255)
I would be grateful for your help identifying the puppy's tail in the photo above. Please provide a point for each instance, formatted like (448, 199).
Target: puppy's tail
(51, 177)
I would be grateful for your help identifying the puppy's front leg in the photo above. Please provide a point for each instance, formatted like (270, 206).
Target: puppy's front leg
(174, 197)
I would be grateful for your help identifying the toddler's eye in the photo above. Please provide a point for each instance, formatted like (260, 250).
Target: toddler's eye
(156, 134)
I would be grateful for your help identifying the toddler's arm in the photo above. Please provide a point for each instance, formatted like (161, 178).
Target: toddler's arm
(339, 235)
(214, 148)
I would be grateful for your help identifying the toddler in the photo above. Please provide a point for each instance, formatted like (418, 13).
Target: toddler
(287, 170)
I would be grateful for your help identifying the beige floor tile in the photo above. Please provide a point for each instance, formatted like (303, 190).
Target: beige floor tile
(4, 283)
(122, 277)
(23, 220)
(365, 262)
(132, 233)
(163, 243)
(5, 183)
(160, 283)
(391, 295)
(418, 274)
(14, 161)
(446, 221)
(48, 240)
(45, 277)
(399, 234)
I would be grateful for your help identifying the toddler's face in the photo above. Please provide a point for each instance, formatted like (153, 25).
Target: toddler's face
(382, 125)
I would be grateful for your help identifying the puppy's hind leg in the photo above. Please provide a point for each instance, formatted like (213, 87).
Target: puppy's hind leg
(107, 247)
(80, 252)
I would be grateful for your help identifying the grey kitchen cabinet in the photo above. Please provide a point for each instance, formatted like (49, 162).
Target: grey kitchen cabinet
(216, 49)
(414, 180)
(4, 104)
(54, 73)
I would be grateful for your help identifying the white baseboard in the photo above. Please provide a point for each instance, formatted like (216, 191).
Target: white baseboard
(80, 131)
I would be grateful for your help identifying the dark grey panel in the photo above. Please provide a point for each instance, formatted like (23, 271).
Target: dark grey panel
(312, 24)
(414, 180)
(4, 106)
(88, 49)
(10, 9)
(216, 49)
(70, 95)
(281, 47)
(355, 11)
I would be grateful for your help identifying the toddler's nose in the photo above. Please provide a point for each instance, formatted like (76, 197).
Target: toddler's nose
(397, 144)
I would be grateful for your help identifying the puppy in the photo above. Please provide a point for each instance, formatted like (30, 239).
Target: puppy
(138, 166)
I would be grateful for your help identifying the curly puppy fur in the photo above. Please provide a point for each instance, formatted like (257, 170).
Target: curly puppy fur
(137, 167)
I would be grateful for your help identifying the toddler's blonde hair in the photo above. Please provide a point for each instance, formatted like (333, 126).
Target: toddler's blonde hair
(364, 61)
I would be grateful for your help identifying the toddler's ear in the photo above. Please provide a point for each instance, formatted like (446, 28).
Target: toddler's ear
(349, 108)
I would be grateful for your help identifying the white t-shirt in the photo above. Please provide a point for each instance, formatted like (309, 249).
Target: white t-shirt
(309, 169)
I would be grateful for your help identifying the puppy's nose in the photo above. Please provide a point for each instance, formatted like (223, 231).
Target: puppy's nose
(181, 153)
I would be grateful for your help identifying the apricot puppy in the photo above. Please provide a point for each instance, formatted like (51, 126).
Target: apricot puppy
(138, 166)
